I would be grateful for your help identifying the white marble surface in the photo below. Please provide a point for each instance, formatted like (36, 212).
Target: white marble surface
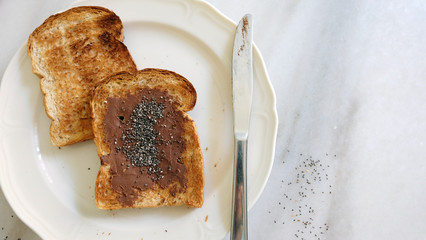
(350, 80)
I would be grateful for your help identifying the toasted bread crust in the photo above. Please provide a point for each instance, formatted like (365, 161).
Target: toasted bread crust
(183, 93)
(71, 52)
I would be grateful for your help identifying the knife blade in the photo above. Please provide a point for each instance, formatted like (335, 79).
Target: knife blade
(242, 85)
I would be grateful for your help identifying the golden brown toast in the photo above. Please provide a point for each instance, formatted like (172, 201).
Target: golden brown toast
(71, 52)
(148, 145)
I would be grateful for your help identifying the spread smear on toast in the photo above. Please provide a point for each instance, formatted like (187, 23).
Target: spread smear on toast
(148, 145)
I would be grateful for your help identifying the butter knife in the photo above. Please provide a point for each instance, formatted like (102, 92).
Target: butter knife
(242, 84)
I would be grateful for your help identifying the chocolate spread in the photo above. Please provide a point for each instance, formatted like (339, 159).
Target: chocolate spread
(145, 135)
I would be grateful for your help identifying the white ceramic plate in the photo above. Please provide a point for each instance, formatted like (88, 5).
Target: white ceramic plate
(52, 190)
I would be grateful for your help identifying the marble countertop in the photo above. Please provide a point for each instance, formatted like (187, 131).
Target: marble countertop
(350, 81)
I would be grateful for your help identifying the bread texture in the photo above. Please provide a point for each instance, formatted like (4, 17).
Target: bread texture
(108, 104)
(71, 52)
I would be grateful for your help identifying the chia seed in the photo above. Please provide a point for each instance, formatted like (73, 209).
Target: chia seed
(308, 182)
(139, 141)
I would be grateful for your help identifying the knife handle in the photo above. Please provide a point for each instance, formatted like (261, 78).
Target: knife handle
(239, 194)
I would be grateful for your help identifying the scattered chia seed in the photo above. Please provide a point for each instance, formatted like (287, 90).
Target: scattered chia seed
(307, 184)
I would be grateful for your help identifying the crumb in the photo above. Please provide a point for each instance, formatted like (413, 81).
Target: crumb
(59, 147)
(165, 230)
(207, 148)
(215, 165)
(109, 234)
(88, 168)
(207, 218)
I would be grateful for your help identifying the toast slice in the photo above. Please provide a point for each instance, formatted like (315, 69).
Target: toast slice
(71, 52)
(148, 145)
